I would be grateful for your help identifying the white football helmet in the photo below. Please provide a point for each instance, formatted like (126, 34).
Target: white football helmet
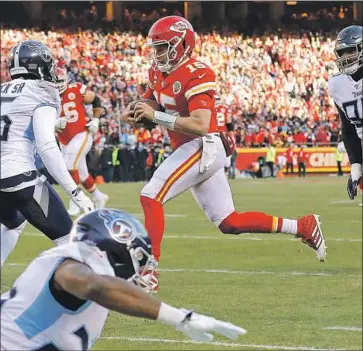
(62, 80)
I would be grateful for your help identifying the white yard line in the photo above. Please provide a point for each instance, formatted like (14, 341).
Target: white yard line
(217, 343)
(226, 271)
(245, 236)
(344, 328)
(342, 202)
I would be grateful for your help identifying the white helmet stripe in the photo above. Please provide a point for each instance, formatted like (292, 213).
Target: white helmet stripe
(16, 55)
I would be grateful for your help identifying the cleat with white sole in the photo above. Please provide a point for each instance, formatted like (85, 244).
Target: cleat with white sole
(309, 230)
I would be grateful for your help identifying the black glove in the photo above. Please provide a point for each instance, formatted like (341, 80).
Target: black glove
(352, 187)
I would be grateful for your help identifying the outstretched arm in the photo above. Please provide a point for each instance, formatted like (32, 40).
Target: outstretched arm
(118, 295)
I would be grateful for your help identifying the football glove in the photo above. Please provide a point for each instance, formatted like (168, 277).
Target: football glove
(199, 327)
(60, 124)
(82, 201)
(93, 125)
(354, 179)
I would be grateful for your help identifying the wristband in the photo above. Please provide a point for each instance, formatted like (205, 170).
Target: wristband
(170, 315)
(165, 119)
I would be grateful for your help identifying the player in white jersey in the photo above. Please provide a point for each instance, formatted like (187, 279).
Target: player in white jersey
(346, 89)
(78, 283)
(29, 107)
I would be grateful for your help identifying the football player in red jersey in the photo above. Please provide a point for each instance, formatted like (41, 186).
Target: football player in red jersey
(75, 135)
(185, 90)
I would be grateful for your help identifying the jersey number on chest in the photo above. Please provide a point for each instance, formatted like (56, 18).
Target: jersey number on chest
(5, 126)
(70, 111)
(5, 121)
(168, 102)
(81, 333)
(354, 111)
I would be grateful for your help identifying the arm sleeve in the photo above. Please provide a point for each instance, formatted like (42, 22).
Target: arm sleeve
(351, 140)
(44, 118)
(200, 101)
(202, 81)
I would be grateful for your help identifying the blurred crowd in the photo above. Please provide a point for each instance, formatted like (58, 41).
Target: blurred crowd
(274, 85)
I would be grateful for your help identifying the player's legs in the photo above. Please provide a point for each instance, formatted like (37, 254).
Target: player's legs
(214, 196)
(178, 173)
(42, 207)
(12, 224)
(74, 154)
(88, 182)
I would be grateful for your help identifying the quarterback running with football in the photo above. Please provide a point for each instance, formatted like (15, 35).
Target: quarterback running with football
(185, 89)
(347, 92)
(75, 135)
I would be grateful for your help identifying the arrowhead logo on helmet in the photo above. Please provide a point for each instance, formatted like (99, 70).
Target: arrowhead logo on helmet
(179, 27)
(173, 40)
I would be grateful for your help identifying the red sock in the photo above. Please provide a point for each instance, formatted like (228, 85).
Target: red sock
(361, 185)
(75, 176)
(250, 222)
(89, 184)
(154, 222)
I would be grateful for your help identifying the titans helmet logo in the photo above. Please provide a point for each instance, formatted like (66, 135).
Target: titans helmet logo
(118, 228)
(40, 49)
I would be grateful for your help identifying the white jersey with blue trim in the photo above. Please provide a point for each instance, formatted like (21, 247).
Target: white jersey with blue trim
(32, 319)
(19, 99)
(348, 95)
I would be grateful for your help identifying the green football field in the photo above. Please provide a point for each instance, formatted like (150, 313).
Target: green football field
(270, 284)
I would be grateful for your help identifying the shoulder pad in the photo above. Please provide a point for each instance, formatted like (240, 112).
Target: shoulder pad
(89, 255)
(46, 92)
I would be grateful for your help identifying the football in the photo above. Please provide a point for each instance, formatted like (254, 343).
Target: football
(144, 122)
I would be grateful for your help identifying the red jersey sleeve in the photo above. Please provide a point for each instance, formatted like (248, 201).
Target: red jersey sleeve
(82, 88)
(202, 80)
(200, 88)
(201, 101)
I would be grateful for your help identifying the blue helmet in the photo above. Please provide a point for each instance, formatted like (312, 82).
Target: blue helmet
(349, 49)
(123, 238)
(32, 59)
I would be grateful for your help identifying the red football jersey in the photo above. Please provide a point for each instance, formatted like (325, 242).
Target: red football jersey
(73, 109)
(222, 115)
(178, 93)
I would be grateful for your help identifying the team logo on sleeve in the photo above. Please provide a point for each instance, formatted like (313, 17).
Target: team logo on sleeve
(177, 87)
(118, 229)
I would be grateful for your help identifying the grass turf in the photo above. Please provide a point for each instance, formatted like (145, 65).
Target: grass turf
(270, 284)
